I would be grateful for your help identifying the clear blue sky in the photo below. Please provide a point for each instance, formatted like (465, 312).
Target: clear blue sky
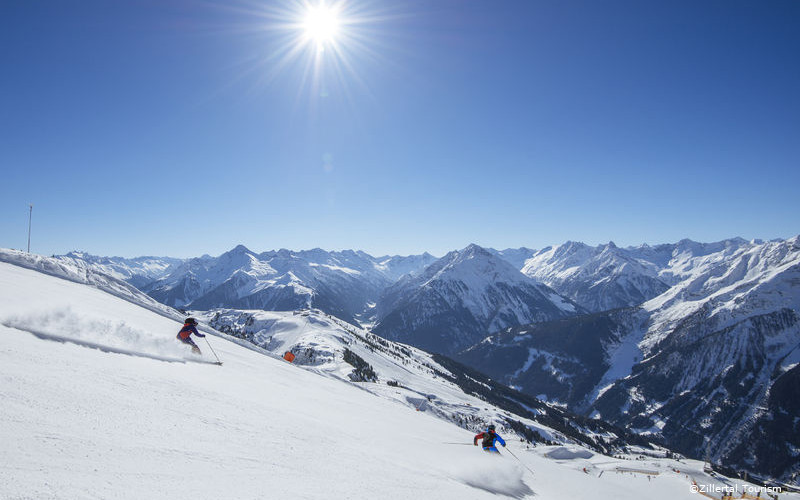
(177, 127)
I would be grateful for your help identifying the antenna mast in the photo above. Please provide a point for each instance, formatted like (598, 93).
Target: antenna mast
(30, 217)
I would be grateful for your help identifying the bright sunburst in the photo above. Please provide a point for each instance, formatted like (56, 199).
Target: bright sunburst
(322, 46)
(321, 23)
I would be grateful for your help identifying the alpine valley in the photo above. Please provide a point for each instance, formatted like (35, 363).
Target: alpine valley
(692, 345)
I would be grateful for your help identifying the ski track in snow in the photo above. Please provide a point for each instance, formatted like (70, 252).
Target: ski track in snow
(64, 325)
(493, 473)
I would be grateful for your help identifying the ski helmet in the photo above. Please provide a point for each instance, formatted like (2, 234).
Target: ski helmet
(190, 321)
(490, 428)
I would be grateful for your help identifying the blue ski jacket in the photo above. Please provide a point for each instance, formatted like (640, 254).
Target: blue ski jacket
(489, 438)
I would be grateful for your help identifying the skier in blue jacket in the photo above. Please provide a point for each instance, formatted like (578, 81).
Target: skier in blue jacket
(189, 328)
(489, 437)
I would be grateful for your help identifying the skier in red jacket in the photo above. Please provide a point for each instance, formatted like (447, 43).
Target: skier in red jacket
(190, 327)
(489, 437)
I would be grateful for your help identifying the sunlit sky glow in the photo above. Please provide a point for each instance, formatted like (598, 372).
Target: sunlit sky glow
(181, 128)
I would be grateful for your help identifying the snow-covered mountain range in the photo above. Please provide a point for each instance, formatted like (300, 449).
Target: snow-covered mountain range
(444, 305)
(344, 283)
(704, 365)
(139, 271)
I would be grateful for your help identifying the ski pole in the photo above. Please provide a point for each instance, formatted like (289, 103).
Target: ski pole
(212, 350)
(465, 444)
(520, 461)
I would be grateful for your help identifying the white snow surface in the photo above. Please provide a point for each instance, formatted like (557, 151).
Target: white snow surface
(99, 401)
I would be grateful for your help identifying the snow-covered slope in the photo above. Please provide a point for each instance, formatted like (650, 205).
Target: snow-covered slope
(463, 297)
(413, 377)
(396, 266)
(83, 419)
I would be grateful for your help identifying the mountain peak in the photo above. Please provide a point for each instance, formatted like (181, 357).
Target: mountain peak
(474, 259)
(239, 249)
(570, 247)
(461, 298)
(474, 249)
(79, 254)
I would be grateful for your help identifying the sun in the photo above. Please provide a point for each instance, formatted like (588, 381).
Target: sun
(324, 45)
(321, 24)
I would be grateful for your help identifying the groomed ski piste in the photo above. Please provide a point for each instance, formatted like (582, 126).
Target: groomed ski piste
(100, 401)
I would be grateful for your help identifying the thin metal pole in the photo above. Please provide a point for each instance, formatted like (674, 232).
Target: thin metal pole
(212, 350)
(520, 461)
(30, 218)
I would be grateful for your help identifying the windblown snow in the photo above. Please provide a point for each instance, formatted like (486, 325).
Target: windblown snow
(100, 401)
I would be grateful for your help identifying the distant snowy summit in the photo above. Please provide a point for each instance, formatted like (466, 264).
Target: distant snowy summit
(598, 278)
(138, 271)
(456, 301)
